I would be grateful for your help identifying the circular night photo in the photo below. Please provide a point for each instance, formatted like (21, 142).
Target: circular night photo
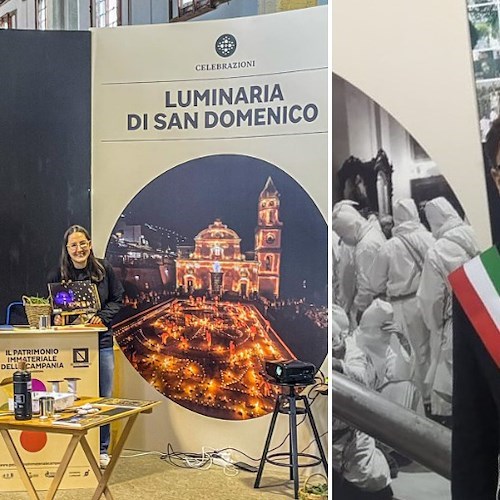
(224, 264)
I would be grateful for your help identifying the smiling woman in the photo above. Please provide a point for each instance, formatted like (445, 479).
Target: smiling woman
(77, 254)
(79, 250)
(78, 263)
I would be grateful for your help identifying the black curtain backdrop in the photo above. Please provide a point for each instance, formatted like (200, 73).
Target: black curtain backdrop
(45, 113)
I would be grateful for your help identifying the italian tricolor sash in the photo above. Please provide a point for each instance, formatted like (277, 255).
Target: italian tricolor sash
(477, 287)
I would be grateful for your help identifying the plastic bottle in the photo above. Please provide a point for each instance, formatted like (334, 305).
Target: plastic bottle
(22, 393)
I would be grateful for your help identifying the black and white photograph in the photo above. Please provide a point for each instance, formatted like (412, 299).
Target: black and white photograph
(398, 231)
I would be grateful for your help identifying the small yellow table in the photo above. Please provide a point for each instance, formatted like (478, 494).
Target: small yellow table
(78, 434)
(52, 354)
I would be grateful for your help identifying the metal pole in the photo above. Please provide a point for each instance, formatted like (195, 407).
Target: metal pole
(414, 436)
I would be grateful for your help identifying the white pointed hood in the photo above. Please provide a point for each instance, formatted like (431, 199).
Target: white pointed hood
(450, 231)
(405, 210)
(441, 216)
(406, 218)
(371, 338)
(348, 223)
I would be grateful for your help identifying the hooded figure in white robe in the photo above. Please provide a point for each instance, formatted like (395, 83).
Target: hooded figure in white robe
(354, 453)
(388, 354)
(344, 283)
(455, 245)
(396, 275)
(366, 239)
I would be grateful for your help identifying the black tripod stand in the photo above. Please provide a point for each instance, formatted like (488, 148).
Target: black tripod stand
(287, 404)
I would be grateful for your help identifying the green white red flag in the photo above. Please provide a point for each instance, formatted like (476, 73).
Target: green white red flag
(477, 287)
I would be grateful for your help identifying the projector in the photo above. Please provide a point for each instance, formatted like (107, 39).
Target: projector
(290, 372)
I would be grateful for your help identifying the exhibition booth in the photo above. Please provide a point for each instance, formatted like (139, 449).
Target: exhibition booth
(205, 159)
(197, 154)
(240, 172)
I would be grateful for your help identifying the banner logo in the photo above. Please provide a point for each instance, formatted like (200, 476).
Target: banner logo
(80, 357)
(225, 45)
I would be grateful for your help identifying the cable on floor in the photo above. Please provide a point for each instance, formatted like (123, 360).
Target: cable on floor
(141, 454)
(200, 461)
(312, 400)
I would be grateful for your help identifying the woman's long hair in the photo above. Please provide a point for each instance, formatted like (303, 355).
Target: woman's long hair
(96, 269)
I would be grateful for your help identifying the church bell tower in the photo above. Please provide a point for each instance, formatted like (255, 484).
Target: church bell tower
(268, 241)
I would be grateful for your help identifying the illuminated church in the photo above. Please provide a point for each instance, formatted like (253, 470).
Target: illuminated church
(216, 262)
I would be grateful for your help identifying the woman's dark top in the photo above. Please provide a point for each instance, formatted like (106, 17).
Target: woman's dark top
(110, 295)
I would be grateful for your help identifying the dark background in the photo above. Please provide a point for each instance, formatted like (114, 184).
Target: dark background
(44, 153)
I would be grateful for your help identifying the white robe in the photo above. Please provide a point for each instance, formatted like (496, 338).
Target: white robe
(354, 453)
(389, 365)
(455, 245)
(396, 274)
(366, 239)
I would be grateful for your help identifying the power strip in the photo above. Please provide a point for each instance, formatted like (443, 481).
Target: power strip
(222, 458)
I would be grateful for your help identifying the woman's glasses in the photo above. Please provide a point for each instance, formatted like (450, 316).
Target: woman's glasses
(82, 244)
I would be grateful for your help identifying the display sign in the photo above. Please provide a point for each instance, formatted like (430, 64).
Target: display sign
(217, 228)
(49, 357)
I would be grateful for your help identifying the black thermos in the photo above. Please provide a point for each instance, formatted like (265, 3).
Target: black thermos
(22, 393)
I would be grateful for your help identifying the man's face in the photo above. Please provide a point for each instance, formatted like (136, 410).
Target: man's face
(495, 171)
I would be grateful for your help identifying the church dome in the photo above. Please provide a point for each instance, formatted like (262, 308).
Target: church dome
(217, 231)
